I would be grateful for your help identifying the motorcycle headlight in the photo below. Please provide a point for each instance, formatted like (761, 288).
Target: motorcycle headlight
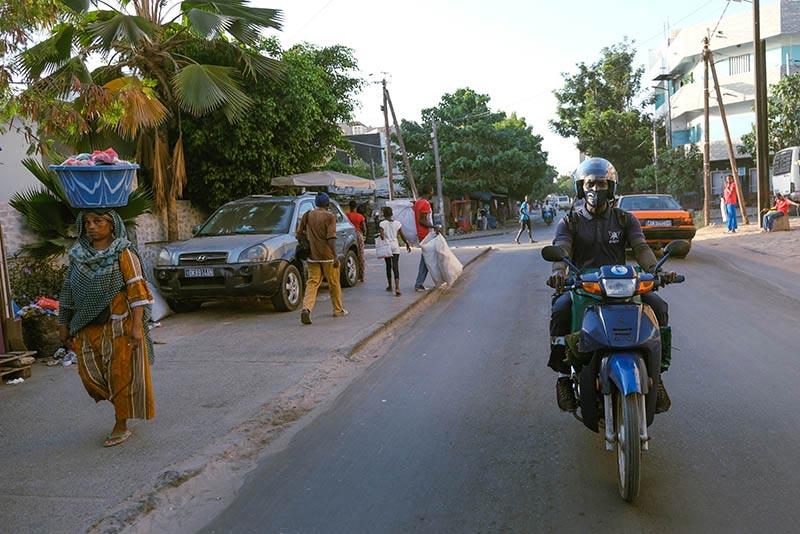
(164, 257)
(257, 253)
(621, 288)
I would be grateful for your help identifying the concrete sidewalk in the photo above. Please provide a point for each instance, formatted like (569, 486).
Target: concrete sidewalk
(214, 369)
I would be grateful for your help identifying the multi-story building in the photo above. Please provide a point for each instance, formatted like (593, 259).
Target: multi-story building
(677, 69)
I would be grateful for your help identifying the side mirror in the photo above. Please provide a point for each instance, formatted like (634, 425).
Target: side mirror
(196, 229)
(553, 253)
(677, 248)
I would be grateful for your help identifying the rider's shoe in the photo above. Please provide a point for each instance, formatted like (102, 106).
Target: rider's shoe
(565, 396)
(662, 400)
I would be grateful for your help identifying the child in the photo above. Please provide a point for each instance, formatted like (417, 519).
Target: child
(390, 230)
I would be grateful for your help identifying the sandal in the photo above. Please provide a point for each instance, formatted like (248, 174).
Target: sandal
(112, 440)
(397, 293)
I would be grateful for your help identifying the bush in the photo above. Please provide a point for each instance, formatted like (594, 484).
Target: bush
(31, 278)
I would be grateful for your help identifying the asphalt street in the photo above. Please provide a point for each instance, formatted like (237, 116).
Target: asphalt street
(456, 429)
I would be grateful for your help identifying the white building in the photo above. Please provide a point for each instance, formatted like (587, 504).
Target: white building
(677, 68)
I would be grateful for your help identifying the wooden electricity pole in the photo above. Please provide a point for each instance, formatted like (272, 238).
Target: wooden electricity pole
(389, 164)
(706, 142)
(731, 153)
(406, 163)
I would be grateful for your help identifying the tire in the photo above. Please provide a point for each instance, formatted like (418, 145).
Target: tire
(290, 291)
(627, 424)
(687, 252)
(184, 306)
(349, 273)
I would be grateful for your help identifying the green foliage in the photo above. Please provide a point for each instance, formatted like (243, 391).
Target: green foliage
(358, 168)
(783, 110)
(291, 127)
(480, 150)
(599, 106)
(679, 171)
(31, 278)
(52, 219)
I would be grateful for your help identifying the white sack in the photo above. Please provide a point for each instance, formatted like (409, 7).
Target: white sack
(449, 266)
(403, 211)
(429, 254)
(160, 307)
(723, 209)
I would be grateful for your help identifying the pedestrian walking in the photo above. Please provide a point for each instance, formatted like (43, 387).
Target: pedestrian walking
(104, 305)
(390, 231)
(779, 209)
(729, 194)
(423, 215)
(319, 227)
(525, 220)
(360, 222)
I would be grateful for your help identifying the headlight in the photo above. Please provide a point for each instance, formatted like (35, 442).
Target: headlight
(164, 257)
(257, 253)
(625, 287)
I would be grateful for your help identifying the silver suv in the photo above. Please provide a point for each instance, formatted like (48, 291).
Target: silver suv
(247, 249)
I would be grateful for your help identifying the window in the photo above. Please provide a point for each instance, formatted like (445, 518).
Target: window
(305, 206)
(249, 218)
(340, 218)
(739, 64)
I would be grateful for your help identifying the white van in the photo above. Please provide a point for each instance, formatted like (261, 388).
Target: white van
(564, 202)
(786, 172)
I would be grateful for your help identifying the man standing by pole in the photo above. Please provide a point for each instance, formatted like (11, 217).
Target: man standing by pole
(423, 214)
(437, 164)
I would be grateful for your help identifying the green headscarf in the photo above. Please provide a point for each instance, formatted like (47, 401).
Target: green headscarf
(94, 277)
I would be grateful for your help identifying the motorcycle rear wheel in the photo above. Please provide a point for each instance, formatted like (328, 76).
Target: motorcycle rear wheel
(627, 423)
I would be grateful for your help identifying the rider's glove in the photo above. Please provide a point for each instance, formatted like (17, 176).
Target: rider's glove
(667, 277)
(557, 280)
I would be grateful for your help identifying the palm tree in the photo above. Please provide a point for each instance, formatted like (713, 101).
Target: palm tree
(147, 80)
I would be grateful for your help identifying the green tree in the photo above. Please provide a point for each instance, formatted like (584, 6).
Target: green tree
(783, 112)
(146, 86)
(480, 150)
(292, 126)
(600, 106)
(679, 171)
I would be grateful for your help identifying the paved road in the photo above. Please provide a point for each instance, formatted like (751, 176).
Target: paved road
(457, 430)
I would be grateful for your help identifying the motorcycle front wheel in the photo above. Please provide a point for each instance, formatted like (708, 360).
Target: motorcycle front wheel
(627, 424)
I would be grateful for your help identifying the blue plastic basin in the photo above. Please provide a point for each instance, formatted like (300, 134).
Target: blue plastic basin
(98, 186)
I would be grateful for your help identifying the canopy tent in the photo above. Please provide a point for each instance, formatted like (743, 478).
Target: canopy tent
(337, 180)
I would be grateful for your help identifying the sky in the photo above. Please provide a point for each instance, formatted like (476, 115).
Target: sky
(513, 50)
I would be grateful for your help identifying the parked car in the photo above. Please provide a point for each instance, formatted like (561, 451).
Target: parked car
(662, 218)
(247, 249)
(563, 202)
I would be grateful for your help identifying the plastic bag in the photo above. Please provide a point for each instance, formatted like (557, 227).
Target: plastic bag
(449, 266)
(428, 246)
(383, 248)
(403, 211)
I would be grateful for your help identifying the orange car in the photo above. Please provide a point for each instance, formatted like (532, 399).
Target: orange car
(661, 216)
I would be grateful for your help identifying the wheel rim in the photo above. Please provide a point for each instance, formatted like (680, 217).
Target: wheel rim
(292, 288)
(622, 450)
(352, 268)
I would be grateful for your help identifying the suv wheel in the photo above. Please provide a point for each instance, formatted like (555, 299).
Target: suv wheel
(350, 269)
(290, 292)
(183, 306)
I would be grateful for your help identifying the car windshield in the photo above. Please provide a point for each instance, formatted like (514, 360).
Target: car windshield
(249, 218)
(648, 203)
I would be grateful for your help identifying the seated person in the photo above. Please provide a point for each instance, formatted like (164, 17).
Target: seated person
(780, 209)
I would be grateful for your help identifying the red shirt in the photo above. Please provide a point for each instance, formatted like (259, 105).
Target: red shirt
(421, 206)
(357, 219)
(782, 205)
(730, 193)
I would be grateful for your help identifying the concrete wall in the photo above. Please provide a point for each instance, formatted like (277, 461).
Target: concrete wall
(13, 176)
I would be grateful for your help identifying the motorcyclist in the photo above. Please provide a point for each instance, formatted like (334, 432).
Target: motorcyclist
(595, 233)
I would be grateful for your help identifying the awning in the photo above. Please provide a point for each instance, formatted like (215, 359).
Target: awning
(335, 179)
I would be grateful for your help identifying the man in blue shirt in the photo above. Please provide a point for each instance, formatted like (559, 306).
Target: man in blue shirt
(525, 220)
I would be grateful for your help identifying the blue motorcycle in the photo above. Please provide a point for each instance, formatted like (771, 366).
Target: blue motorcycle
(547, 216)
(615, 355)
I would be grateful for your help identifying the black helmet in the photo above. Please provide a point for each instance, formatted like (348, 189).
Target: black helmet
(599, 169)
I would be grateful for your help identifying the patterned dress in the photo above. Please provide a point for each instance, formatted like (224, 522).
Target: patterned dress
(109, 368)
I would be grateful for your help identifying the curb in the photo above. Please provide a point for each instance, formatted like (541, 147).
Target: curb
(464, 237)
(428, 298)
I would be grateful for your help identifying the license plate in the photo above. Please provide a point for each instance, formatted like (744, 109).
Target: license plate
(201, 272)
(659, 222)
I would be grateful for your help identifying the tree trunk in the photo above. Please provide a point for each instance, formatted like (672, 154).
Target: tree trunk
(172, 219)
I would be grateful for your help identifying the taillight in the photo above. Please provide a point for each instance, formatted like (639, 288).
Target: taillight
(645, 286)
(592, 287)
(685, 221)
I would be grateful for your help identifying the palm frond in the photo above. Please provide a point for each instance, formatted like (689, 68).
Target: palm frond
(48, 55)
(140, 202)
(44, 213)
(245, 32)
(207, 23)
(255, 65)
(131, 29)
(238, 9)
(46, 177)
(178, 168)
(141, 107)
(77, 5)
(204, 88)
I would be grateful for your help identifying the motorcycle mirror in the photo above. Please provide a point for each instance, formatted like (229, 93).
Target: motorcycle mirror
(677, 248)
(553, 253)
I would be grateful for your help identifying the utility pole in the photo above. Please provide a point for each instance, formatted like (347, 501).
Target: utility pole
(706, 142)
(655, 156)
(436, 163)
(731, 153)
(389, 164)
(406, 163)
(762, 134)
